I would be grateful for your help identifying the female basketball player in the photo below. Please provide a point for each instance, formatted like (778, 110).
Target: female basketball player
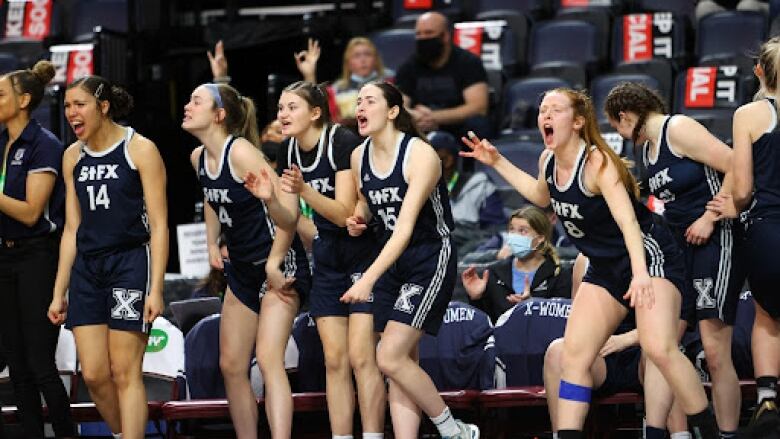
(267, 261)
(114, 250)
(412, 278)
(683, 160)
(633, 262)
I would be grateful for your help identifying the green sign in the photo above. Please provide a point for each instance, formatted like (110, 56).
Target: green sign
(158, 339)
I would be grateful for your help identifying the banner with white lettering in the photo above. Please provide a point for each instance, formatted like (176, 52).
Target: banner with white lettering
(71, 61)
(648, 36)
(28, 19)
(482, 38)
(711, 87)
(193, 249)
(584, 3)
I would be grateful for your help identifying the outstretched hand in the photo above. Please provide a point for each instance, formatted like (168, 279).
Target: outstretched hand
(306, 60)
(218, 61)
(481, 150)
(259, 185)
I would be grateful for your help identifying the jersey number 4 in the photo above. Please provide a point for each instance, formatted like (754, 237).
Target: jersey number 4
(224, 218)
(98, 199)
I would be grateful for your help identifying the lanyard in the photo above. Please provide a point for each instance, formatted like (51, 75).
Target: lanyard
(3, 172)
(306, 210)
(453, 181)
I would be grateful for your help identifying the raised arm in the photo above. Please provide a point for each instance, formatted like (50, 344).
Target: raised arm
(151, 169)
(58, 307)
(532, 189)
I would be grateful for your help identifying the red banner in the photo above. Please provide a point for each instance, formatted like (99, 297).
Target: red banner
(647, 36)
(418, 4)
(79, 64)
(700, 87)
(469, 39)
(28, 19)
(71, 62)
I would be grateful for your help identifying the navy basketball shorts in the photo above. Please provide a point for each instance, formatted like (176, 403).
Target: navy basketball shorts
(762, 240)
(662, 256)
(339, 261)
(710, 277)
(247, 280)
(416, 290)
(622, 372)
(110, 289)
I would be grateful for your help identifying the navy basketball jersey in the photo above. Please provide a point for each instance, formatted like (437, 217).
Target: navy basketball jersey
(684, 185)
(385, 193)
(335, 145)
(244, 218)
(111, 197)
(585, 216)
(766, 171)
(462, 355)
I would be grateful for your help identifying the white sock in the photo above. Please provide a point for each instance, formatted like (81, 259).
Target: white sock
(766, 394)
(373, 435)
(681, 435)
(117, 435)
(346, 436)
(555, 435)
(446, 424)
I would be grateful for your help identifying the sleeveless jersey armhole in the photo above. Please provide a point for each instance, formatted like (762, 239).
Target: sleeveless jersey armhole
(773, 112)
(229, 147)
(128, 137)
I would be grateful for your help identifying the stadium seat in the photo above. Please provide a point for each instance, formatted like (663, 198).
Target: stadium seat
(522, 98)
(8, 62)
(730, 37)
(523, 334)
(650, 36)
(533, 9)
(659, 69)
(601, 85)
(565, 48)
(462, 355)
(405, 12)
(395, 46)
(600, 18)
(520, 26)
(686, 10)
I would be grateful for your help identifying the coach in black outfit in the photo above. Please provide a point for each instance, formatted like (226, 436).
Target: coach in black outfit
(444, 86)
(32, 199)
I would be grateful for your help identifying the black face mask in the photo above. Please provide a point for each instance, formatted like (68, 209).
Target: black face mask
(429, 49)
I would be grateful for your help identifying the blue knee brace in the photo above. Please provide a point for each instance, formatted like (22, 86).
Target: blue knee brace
(574, 392)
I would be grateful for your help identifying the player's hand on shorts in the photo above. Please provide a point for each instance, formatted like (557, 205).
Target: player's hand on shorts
(699, 232)
(640, 291)
(153, 307)
(279, 284)
(215, 257)
(58, 310)
(356, 225)
(480, 150)
(259, 184)
(359, 292)
(292, 180)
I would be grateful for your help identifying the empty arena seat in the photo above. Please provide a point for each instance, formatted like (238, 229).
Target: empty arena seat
(730, 37)
(566, 48)
(601, 85)
(395, 46)
(642, 37)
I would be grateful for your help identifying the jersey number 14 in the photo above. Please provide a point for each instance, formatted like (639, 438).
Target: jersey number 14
(98, 199)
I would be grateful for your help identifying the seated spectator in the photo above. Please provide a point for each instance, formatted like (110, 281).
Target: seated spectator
(501, 250)
(362, 64)
(271, 139)
(444, 86)
(707, 7)
(533, 270)
(476, 204)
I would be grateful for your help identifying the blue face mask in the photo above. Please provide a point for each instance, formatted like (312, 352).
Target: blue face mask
(521, 245)
(363, 79)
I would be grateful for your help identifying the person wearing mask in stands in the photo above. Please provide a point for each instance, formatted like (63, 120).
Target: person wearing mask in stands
(32, 199)
(533, 270)
(445, 87)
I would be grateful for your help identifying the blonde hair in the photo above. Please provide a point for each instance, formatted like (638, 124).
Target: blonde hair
(769, 60)
(379, 67)
(591, 134)
(540, 222)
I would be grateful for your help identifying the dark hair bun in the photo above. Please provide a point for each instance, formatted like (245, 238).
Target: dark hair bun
(43, 71)
(121, 102)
